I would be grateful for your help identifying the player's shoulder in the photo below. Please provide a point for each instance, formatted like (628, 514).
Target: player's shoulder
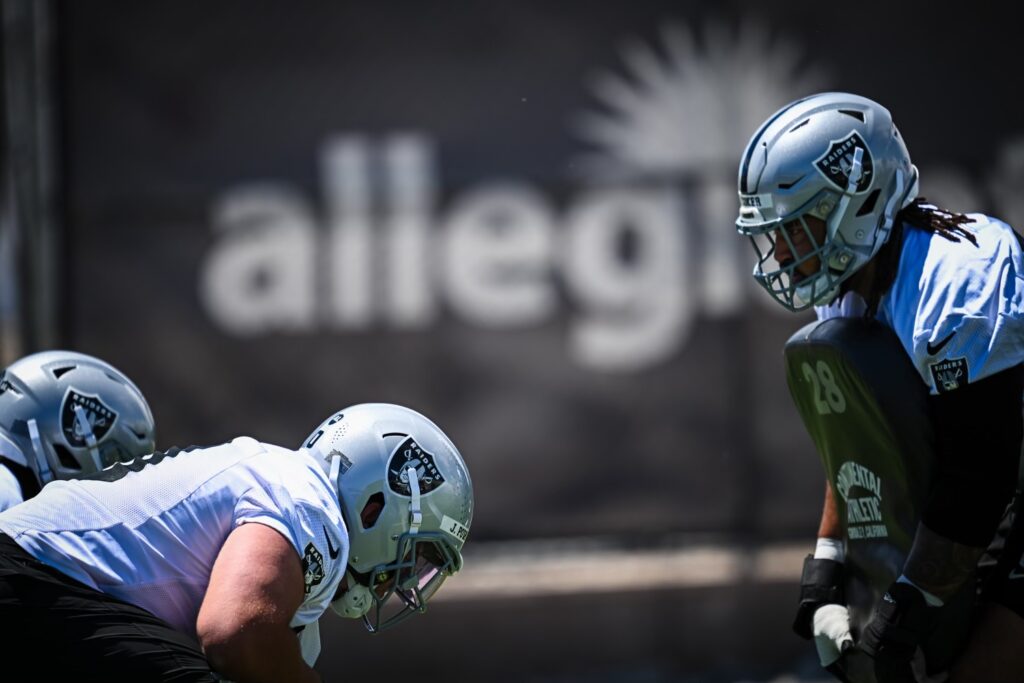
(950, 300)
(989, 229)
(296, 469)
(956, 271)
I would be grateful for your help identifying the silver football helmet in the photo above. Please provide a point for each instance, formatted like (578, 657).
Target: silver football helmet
(834, 156)
(65, 414)
(407, 501)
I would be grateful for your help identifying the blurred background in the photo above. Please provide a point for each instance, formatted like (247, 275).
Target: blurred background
(516, 218)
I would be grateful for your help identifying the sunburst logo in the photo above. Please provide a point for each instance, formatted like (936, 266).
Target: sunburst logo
(688, 104)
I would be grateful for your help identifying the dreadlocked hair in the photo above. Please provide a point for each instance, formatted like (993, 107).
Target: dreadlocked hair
(924, 216)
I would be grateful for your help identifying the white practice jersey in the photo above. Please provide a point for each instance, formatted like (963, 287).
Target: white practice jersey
(957, 308)
(10, 489)
(148, 532)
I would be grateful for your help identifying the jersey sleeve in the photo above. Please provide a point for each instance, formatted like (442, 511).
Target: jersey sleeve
(957, 350)
(965, 319)
(10, 490)
(311, 531)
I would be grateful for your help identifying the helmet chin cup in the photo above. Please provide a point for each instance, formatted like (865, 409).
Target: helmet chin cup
(817, 292)
(355, 601)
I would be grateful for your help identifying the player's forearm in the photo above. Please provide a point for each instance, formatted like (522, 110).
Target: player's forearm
(831, 525)
(258, 653)
(938, 564)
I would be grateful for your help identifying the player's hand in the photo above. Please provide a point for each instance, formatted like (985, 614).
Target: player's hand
(902, 621)
(831, 633)
(820, 584)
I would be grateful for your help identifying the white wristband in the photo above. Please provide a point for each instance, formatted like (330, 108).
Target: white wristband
(830, 549)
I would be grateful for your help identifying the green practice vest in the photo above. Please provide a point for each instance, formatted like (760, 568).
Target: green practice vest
(866, 410)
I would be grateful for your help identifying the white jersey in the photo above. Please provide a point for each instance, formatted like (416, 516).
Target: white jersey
(148, 532)
(957, 308)
(10, 489)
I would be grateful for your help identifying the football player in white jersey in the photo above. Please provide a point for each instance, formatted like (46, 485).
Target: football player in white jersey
(828, 197)
(198, 564)
(64, 415)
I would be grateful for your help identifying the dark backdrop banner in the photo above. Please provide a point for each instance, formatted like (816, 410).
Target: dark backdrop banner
(514, 217)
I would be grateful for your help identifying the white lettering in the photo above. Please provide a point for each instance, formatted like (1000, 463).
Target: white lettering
(259, 276)
(498, 257)
(382, 254)
(623, 265)
(350, 259)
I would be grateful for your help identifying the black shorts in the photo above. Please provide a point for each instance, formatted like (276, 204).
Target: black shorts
(58, 629)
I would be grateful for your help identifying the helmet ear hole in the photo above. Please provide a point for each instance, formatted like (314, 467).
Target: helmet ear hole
(65, 457)
(372, 510)
(869, 204)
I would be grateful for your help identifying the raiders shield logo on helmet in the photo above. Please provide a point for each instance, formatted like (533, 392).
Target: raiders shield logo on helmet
(836, 163)
(99, 416)
(409, 454)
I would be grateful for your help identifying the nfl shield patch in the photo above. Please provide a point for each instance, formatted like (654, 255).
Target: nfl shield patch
(312, 567)
(97, 413)
(836, 163)
(949, 374)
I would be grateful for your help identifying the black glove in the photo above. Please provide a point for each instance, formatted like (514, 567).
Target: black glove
(820, 584)
(902, 621)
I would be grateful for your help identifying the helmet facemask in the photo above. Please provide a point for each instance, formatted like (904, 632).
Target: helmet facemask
(786, 282)
(403, 588)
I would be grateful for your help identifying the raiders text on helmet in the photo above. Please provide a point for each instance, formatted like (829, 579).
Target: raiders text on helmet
(836, 157)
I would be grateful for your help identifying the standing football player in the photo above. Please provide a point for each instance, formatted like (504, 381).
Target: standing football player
(828, 197)
(65, 415)
(177, 565)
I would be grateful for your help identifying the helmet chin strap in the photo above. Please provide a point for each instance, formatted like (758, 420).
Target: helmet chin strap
(45, 473)
(856, 169)
(90, 438)
(840, 257)
(357, 599)
(415, 512)
(335, 459)
(896, 198)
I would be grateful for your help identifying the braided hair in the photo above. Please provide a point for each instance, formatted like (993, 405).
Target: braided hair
(921, 215)
(924, 216)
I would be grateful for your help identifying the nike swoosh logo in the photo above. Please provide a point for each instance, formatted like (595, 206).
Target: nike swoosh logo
(331, 550)
(936, 347)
